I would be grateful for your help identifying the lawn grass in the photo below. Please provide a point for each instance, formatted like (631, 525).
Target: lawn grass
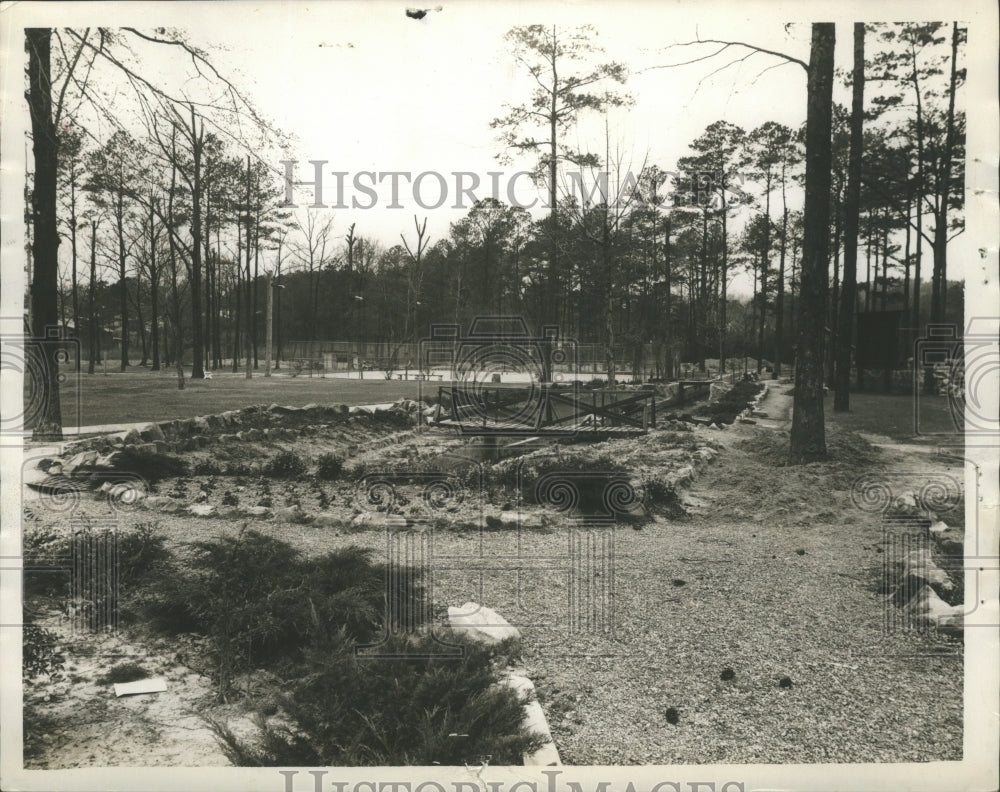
(894, 416)
(140, 395)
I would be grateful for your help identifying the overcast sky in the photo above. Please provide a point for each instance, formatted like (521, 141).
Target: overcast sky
(366, 88)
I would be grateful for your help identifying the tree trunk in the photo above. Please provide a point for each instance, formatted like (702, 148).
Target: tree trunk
(808, 436)
(122, 265)
(724, 277)
(835, 294)
(848, 287)
(72, 238)
(779, 301)
(178, 328)
(210, 274)
(197, 146)
(885, 264)
(142, 324)
(547, 280)
(92, 329)
(765, 262)
(251, 319)
(154, 289)
(256, 272)
(668, 363)
(921, 187)
(216, 318)
(45, 237)
(939, 305)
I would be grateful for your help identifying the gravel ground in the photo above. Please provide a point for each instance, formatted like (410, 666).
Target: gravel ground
(772, 574)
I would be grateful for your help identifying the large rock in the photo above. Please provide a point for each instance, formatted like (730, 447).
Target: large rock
(514, 518)
(110, 461)
(705, 454)
(161, 503)
(951, 542)
(683, 477)
(144, 449)
(131, 437)
(919, 564)
(127, 493)
(85, 459)
(200, 425)
(152, 433)
(292, 514)
(327, 520)
(481, 623)
(201, 510)
(926, 607)
(370, 519)
(169, 428)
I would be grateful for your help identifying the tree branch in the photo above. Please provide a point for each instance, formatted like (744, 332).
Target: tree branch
(727, 45)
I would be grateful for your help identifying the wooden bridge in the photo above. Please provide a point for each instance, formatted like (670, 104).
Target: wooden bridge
(550, 410)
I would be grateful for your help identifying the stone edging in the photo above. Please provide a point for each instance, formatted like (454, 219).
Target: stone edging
(486, 626)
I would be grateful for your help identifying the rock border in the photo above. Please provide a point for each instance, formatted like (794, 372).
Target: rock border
(486, 626)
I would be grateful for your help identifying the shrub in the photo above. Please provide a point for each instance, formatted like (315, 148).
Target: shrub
(733, 402)
(41, 653)
(329, 466)
(527, 473)
(235, 594)
(661, 496)
(206, 467)
(116, 562)
(237, 469)
(229, 499)
(285, 465)
(260, 604)
(140, 551)
(123, 672)
(46, 548)
(153, 467)
(353, 711)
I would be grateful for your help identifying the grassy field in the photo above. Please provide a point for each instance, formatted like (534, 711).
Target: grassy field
(141, 395)
(896, 417)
